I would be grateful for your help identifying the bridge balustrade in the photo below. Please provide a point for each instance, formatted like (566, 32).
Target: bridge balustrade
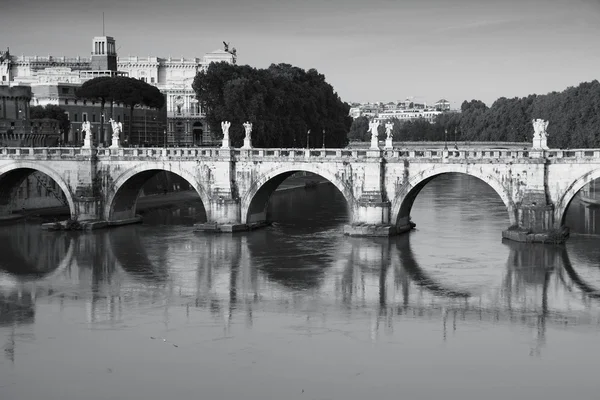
(291, 153)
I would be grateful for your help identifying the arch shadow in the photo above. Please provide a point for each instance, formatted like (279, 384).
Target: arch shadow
(562, 206)
(30, 254)
(418, 275)
(404, 200)
(12, 176)
(122, 200)
(255, 201)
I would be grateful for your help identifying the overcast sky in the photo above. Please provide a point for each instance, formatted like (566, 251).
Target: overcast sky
(369, 50)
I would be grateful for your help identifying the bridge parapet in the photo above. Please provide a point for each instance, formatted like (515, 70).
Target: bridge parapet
(424, 153)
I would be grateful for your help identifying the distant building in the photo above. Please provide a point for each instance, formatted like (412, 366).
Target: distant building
(16, 126)
(54, 79)
(442, 105)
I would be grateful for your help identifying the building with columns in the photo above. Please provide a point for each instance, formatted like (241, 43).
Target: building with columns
(53, 81)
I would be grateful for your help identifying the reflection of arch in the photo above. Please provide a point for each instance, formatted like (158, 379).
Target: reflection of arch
(403, 202)
(588, 289)
(256, 199)
(14, 173)
(563, 203)
(418, 275)
(126, 188)
(45, 258)
(132, 256)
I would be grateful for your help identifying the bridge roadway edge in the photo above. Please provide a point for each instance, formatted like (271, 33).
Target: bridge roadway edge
(379, 185)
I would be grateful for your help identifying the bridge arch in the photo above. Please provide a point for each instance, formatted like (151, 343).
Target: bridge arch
(255, 200)
(22, 169)
(560, 211)
(126, 188)
(405, 198)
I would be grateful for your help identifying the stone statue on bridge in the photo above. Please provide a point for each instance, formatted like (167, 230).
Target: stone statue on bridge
(388, 133)
(248, 138)
(225, 128)
(540, 136)
(117, 128)
(373, 126)
(86, 129)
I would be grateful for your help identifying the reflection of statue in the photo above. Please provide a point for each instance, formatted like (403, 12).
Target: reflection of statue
(117, 128)
(225, 128)
(388, 129)
(540, 136)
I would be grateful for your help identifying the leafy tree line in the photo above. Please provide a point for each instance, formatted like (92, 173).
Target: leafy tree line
(53, 112)
(120, 89)
(573, 116)
(282, 102)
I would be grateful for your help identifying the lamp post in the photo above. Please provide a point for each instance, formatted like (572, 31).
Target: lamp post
(308, 139)
(445, 139)
(323, 138)
(145, 129)
(455, 142)
(165, 138)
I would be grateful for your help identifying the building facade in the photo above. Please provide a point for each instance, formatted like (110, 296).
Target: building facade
(54, 80)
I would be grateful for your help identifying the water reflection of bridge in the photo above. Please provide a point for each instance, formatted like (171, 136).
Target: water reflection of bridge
(115, 272)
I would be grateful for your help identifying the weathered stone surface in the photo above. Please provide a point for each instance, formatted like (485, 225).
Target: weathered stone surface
(380, 186)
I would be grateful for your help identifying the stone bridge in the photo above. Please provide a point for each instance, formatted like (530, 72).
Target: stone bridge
(380, 186)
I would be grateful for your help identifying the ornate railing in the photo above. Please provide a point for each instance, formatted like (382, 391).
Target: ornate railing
(149, 153)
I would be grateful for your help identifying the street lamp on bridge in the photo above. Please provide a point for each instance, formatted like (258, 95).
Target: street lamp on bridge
(308, 139)
(323, 138)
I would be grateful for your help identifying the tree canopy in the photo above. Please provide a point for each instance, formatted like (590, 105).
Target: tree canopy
(282, 102)
(54, 112)
(573, 116)
(120, 89)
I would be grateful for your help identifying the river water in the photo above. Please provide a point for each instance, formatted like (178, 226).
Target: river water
(299, 311)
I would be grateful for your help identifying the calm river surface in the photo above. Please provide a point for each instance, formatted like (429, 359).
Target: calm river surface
(299, 311)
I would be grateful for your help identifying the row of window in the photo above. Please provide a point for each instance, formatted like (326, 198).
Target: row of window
(143, 79)
(84, 117)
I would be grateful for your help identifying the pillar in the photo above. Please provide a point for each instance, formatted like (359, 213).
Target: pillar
(371, 216)
(225, 208)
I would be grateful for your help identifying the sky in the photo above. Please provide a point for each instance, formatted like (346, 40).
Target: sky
(369, 50)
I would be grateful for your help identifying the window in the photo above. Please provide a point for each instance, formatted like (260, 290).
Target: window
(66, 101)
(76, 102)
(84, 102)
(84, 117)
(65, 90)
(3, 78)
(152, 79)
(143, 79)
(68, 117)
(94, 117)
(75, 117)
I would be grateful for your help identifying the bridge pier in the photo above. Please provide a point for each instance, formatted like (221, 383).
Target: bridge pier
(535, 222)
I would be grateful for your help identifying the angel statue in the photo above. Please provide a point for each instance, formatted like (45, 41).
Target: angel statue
(248, 129)
(86, 128)
(225, 128)
(226, 46)
(117, 128)
(388, 129)
(373, 125)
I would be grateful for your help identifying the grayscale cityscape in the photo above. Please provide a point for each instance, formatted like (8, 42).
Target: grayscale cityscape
(299, 200)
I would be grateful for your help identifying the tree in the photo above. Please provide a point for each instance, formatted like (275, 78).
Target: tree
(134, 92)
(282, 102)
(359, 129)
(53, 112)
(121, 89)
(100, 89)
